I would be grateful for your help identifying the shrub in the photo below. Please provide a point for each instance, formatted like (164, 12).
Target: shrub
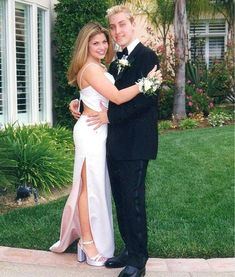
(7, 165)
(166, 101)
(71, 16)
(196, 72)
(188, 123)
(220, 81)
(165, 124)
(197, 116)
(197, 100)
(219, 118)
(41, 160)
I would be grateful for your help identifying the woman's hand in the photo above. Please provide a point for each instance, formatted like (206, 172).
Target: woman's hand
(74, 107)
(154, 73)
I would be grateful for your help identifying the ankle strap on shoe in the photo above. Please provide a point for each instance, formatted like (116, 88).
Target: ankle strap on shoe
(87, 242)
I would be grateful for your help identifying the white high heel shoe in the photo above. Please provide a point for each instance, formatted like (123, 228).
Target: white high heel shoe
(82, 256)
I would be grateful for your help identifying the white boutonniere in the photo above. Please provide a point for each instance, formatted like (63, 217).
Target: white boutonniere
(122, 63)
(149, 85)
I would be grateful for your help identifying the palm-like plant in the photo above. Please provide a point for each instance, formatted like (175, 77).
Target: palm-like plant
(42, 160)
(7, 164)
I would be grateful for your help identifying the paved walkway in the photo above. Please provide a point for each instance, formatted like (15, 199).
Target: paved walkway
(16, 262)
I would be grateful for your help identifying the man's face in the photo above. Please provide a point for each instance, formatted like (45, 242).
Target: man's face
(121, 29)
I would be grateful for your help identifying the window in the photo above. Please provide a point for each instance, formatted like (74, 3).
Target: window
(25, 62)
(207, 40)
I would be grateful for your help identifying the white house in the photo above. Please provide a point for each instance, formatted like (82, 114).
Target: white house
(25, 57)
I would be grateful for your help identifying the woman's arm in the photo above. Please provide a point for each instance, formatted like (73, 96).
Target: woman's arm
(94, 76)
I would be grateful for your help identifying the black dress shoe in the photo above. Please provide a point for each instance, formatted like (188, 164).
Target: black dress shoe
(119, 261)
(131, 271)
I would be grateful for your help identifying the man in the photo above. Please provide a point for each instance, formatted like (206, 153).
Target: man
(131, 142)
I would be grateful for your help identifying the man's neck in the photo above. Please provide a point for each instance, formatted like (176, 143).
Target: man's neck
(131, 46)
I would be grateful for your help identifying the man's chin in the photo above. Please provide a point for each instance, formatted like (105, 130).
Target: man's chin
(121, 43)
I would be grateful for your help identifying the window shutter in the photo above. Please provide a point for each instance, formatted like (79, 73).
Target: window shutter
(22, 58)
(197, 28)
(216, 49)
(217, 27)
(198, 46)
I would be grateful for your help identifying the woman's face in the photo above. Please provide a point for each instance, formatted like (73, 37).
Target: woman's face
(98, 46)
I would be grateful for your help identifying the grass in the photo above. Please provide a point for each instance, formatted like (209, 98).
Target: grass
(190, 189)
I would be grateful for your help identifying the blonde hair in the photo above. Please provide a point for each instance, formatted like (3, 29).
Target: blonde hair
(118, 9)
(80, 52)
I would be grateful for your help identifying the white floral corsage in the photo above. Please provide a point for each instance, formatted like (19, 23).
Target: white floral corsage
(149, 85)
(122, 63)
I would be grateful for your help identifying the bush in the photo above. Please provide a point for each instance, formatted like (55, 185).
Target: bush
(71, 16)
(197, 100)
(217, 81)
(165, 124)
(219, 118)
(188, 123)
(7, 165)
(221, 82)
(42, 159)
(166, 101)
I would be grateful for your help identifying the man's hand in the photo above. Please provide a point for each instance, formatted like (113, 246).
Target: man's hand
(74, 106)
(98, 118)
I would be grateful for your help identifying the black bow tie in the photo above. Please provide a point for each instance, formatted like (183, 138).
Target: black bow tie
(124, 52)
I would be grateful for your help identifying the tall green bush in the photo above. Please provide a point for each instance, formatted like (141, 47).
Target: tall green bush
(43, 157)
(222, 82)
(71, 16)
(7, 165)
(166, 99)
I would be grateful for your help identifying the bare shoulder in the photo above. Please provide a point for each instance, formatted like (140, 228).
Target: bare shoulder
(89, 69)
(93, 69)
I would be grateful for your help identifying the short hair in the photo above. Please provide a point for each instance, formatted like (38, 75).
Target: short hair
(118, 9)
(80, 50)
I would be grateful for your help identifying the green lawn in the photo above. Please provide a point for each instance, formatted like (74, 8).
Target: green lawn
(190, 190)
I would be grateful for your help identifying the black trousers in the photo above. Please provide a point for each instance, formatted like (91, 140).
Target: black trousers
(128, 187)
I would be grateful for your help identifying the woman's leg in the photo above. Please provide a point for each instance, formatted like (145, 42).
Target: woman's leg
(86, 233)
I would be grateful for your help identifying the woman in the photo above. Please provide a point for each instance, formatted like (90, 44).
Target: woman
(88, 212)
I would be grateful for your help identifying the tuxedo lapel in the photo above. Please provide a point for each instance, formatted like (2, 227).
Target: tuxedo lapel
(131, 59)
(135, 51)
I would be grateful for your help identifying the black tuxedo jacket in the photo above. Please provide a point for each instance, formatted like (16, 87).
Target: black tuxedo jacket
(132, 131)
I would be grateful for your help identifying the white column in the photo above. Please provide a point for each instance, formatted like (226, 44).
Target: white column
(11, 61)
(48, 69)
(34, 66)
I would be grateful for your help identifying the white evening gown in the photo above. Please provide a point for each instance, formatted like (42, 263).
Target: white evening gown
(90, 146)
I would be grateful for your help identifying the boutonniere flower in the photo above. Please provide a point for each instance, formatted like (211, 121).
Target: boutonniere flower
(122, 63)
(149, 85)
